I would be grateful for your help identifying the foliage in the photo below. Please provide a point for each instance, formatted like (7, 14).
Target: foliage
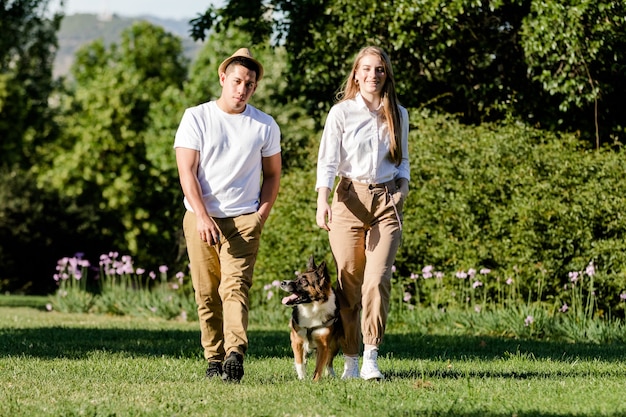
(481, 62)
(102, 156)
(27, 48)
(577, 52)
(515, 200)
(120, 288)
(509, 198)
(290, 234)
(37, 227)
(489, 304)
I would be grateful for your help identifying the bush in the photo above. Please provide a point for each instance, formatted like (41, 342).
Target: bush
(519, 201)
(37, 227)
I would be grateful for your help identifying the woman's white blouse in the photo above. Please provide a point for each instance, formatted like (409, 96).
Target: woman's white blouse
(355, 145)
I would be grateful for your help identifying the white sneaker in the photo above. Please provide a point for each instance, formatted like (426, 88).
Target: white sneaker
(370, 370)
(350, 367)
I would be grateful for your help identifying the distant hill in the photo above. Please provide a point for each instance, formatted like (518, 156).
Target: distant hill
(80, 29)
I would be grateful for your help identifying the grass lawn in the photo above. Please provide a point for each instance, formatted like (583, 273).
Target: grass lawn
(55, 364)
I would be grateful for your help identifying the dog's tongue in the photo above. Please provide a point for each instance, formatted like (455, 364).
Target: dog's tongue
(289, 299)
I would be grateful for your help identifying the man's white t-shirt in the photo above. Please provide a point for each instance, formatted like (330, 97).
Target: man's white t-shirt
(231, 147)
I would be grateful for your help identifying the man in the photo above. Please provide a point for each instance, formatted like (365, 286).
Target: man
(229, 162)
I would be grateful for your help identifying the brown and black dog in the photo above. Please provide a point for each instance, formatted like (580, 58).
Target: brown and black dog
(315, 322)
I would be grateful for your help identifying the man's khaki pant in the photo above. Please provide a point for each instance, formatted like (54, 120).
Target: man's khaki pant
(222, 277)
(364, 236)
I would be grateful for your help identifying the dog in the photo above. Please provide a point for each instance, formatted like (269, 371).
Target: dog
(315, 323)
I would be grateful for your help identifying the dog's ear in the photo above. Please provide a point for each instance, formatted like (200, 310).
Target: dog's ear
(321, 269)
(310, 266)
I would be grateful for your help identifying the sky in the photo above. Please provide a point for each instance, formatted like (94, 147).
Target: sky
(170, 9)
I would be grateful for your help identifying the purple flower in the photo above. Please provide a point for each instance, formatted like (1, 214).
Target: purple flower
(461, 274)
(276, 283)
(477, 284)
(591, 270)
(407, 297)
(415, 276)
(163, 269)
(573, 276)
(152, 275)
(124, 269)
(622, 296)
(485, 271)
(529, 320)
(564, 308)
(509, 281)
(140, 271)
(427, 271)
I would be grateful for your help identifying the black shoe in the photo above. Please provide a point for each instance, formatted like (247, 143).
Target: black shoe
(233, 368)
(214, 370)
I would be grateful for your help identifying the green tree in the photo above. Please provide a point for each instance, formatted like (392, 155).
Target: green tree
(456, 55)
(102, 159)
(463, 57)
(27, 47)
(578, 52)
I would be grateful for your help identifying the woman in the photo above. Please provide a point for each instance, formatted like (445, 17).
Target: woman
(365, 143)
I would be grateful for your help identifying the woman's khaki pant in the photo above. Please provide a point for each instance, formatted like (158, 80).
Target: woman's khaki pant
(365, 235)
(222, 277)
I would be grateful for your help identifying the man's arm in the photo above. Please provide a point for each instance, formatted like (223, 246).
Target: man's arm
(187, 161)
(272, 166)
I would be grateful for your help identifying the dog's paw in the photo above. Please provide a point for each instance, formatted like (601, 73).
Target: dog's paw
(300, 371)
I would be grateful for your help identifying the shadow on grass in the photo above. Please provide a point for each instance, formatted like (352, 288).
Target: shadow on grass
(420, 346)
(78, 343)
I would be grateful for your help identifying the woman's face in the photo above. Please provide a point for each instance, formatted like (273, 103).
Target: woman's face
(370, 75)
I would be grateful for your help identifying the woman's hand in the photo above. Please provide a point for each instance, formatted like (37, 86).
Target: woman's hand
(324, 214)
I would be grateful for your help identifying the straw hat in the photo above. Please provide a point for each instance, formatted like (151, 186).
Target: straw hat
(241, 53)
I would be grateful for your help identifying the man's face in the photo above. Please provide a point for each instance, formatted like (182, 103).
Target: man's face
(238, 85)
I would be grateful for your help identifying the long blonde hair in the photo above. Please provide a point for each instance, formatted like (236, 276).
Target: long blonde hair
(391, 112)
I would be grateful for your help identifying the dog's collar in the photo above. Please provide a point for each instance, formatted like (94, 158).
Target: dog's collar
(327, 323)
